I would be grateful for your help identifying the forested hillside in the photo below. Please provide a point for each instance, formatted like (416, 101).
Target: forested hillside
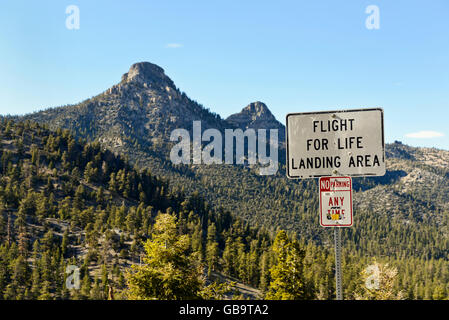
(67, 203)
(64, 202)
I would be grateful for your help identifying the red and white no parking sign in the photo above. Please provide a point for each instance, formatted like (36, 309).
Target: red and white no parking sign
(335, 201)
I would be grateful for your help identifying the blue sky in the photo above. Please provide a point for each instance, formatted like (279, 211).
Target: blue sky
(295, 56)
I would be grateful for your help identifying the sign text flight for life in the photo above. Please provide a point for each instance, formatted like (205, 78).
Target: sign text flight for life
(348, 142)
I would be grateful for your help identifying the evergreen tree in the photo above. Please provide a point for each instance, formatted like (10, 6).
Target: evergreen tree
(287, 274)
(167, 272)
(212, 250)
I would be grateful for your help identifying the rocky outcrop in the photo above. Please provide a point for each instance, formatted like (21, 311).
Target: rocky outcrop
(147, 73)
(256, 115)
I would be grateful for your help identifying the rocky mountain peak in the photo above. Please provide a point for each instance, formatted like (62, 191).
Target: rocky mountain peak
(254, 115)
(146, 72)
(257, 110)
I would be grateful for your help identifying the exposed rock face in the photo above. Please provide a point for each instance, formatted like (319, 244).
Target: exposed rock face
(147, 73)
(257, 116)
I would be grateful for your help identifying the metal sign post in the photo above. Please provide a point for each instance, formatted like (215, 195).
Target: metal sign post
(336, 212)
(338, 283)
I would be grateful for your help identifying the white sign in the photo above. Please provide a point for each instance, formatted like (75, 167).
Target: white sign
(349, 143)
(335, 201)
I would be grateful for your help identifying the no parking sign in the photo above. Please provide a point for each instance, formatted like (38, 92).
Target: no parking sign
(335, 201)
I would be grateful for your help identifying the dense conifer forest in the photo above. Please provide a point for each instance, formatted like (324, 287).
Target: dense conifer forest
(65, 202)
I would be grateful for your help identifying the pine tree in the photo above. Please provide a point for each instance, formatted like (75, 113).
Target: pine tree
(86, 285)
(167, 272)
(228, 257)
(264, 272)
(65, 242)
(36, 281)
(287, 275)
(105, 280)
(212, 250)
(3, 226)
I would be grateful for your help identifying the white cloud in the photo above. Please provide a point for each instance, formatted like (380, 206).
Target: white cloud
(173, 45)
(424, 134)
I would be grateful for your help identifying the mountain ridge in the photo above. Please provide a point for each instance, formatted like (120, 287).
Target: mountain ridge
(140, 84)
